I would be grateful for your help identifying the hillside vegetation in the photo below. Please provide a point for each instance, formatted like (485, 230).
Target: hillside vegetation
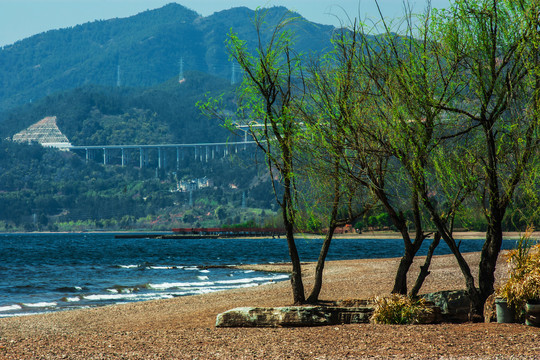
(139, 51)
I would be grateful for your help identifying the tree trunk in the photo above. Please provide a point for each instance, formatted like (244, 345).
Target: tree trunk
(400, 281)
(296, 274)
(314, 295)
(488, 261)
(492, 245)
(424, 269)
(411, 248)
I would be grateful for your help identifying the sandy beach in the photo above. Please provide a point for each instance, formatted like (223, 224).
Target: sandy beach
(184, 327)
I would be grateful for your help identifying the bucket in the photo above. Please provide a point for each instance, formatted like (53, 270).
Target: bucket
(505, 313)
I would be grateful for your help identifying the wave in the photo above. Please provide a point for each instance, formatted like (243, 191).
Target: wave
(255, 279)
(125, 289)
(149, 266)
(66, 289)
(126, 297)
(40, 304)
(234, 282)
(71, 299)
(179, 285)
(10, 308)
(127, 266)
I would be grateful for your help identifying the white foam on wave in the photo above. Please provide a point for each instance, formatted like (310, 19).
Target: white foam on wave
(102, 297)
(128, 266)
(254, 279)
(249, 271)
(10, 308)
(72, 299)
(126, 297)
(205, 271)
(40, 304)
(167, 285)
(202, 277)
(120, 290)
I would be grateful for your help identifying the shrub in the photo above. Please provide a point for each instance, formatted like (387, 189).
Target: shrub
(524, 281)
(399, 309)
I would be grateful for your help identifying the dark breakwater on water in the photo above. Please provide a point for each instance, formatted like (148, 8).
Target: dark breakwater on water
(51, 272)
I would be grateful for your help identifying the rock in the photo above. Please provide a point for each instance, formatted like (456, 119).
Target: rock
(433, 317)
(455, 304)
(293, 316)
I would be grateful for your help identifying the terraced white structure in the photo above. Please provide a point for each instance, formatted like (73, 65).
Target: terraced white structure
(44, 132)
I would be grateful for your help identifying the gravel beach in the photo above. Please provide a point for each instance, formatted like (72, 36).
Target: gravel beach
(184, 327)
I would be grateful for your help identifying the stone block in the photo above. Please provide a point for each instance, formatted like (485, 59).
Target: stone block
(293, 316)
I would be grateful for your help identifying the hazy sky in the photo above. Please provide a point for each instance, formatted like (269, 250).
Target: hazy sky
(23, 18)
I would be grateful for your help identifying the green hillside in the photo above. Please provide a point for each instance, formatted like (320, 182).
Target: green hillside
(100, 115)
(140, 51)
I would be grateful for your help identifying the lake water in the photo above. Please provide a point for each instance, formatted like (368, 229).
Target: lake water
(50, 272)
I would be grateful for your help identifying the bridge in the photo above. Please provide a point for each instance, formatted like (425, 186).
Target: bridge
(47, 133)
(200, 151)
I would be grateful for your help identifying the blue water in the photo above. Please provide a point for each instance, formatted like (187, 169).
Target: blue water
(51, 272)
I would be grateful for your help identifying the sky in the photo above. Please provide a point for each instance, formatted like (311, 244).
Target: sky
(20, 19)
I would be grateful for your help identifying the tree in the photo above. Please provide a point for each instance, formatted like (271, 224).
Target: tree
(267, 96)
(285, 128)
(383, 131)
(494, 43)
(329, 92)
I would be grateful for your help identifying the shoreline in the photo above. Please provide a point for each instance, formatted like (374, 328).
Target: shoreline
(183, 327)
(460, 235)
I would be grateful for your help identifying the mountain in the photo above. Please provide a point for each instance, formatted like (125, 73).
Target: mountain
(139, 51)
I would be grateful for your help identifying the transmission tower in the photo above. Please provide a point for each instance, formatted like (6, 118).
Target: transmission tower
(181, 73)
(233, 73)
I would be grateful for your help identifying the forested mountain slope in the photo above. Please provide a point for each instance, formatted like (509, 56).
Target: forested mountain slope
(105, 115)
(139, 51)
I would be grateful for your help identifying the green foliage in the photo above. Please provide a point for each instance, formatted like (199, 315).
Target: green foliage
(399, 309)
(247, 224)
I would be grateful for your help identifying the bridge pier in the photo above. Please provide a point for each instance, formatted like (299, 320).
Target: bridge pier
(104, 156)
(165, 158)
(141, 158)
(123, 158)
